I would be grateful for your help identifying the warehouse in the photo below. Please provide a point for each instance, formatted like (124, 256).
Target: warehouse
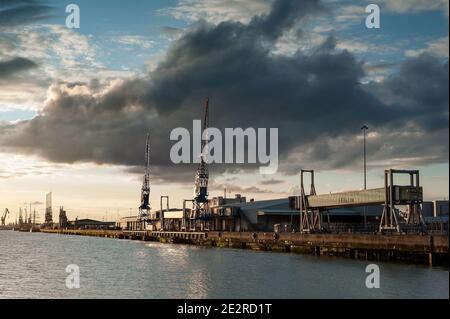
(92, 224)
(129, 223)
(277, 215)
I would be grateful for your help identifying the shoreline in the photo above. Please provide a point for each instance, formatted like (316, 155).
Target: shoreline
(413, 249)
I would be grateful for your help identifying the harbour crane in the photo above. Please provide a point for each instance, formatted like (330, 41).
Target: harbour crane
(20, 217)
(3, 218)
(200, 213)
(144, 209)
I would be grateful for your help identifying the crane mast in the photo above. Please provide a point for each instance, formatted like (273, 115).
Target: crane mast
(20, 217)
(199, 217)
(3, 218)
(144, 208)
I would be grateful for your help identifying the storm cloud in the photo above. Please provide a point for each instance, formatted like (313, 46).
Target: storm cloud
(19, 12)
(15, 65)
(317, 100)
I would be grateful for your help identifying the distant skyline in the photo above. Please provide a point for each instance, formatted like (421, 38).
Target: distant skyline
(76, 104)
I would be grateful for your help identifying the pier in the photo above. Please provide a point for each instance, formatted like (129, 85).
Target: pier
(416, 249)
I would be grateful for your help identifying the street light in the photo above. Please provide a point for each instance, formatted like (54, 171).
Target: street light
(365, 128)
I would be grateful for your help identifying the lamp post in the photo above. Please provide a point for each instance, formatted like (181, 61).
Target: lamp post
(365, 128)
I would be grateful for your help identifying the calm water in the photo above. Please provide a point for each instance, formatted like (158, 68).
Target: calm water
(33, 266)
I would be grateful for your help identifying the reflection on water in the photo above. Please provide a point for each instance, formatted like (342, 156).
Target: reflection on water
(33, 266)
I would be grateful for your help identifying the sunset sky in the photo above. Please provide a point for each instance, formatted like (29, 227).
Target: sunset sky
(76, 104)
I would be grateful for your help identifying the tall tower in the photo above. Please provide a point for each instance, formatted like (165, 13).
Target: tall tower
(48, 209)
(20, 217)
(144, 209)
(199, 217)
(62, 218)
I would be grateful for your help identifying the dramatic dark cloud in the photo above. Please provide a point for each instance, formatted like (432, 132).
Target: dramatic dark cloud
(171, 32)
(271, 181)
(15, 13)
(236, 188)
(420, 90)
(18, 12)
(317, 101)
(15, 65)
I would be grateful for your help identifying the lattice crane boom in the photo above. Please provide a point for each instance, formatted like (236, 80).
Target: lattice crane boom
(4, 216)
(200, 210)
(202, 176)
(144, 208)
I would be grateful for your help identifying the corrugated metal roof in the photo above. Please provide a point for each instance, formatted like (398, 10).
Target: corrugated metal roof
(360, 197)
(128, 218)
(278, 212)
(259, 203)
(88, 221)
(355, 211)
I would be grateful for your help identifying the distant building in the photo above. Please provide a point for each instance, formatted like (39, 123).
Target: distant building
(427, 209)
(92, 224)
(63, 222)
(48, 209)
(219, 201)
(436, 208)
(224, 212)
(173, 219)
(264, 215)
(128, 223)
(440, 208)
(278, 215)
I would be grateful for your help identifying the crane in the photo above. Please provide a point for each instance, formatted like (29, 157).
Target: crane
(200, 211)
(144, 209)
(20, 217)
(3, 218)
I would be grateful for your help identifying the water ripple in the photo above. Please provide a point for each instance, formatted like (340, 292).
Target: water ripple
(33, 266)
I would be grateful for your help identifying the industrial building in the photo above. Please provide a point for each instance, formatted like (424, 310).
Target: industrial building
(436, 208)
(440, 208)
(172, 221)
(238, 214)
(129, 223)
(279, 216)
(91, 224)
(436, 215)
(427, 209)
(367, 210)
(224, 212)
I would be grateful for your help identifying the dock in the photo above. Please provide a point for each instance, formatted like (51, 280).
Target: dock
(416, 249)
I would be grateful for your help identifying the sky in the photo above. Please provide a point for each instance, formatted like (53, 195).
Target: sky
(76, 104)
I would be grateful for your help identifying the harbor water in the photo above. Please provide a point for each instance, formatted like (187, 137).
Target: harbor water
(33, 265)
